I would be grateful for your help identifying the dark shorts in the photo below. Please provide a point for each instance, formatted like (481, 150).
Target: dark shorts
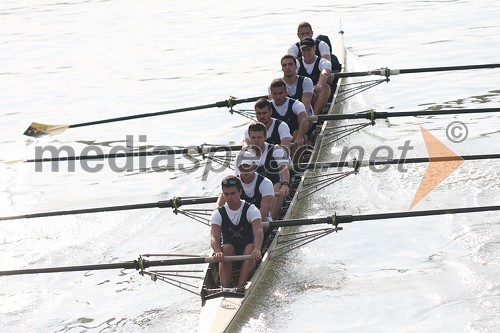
(238, 247)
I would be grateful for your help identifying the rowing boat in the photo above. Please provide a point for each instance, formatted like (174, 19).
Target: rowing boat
(220, 307)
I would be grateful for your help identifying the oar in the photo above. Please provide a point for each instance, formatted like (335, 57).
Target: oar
(337, 219)
(172, 203)
(191, 150)
(37, 129)
(139, 264)
(359, 163)
(372, 115)
(388, 72)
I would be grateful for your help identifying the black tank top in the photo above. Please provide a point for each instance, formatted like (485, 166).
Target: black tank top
(289, 118)
(314, 76)
(275, 138)
(300, 89)
(257, 196)
(241, 233)
(270, 168)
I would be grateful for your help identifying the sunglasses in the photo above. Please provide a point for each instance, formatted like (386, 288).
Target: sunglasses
(229, 181)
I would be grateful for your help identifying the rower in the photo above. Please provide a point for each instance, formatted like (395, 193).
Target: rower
(297, 87)
(318, 70)
(291, 111)
(305, 30)
(236, 229)
(278, 132)
(272, 162)
(257, 189)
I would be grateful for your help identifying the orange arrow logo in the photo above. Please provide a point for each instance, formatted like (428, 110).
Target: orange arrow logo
(437, 171)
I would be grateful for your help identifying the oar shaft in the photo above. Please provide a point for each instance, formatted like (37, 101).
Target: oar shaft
(343, 164)
(172, 203)
(368, 217)
(338, 219)
(384, 115)
(227, 103)
(446, 68)
(80, 211)
(122, 265)
(388, 72)
(154, 152)
(136, 264)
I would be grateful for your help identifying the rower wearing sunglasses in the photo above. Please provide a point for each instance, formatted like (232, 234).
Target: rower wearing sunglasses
(236, 229)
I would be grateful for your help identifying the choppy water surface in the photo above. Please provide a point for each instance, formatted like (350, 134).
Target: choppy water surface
(78, 61)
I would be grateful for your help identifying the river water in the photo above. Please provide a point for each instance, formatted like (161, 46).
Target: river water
(78, 61)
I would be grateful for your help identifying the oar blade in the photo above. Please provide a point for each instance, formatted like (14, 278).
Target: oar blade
(37, 130)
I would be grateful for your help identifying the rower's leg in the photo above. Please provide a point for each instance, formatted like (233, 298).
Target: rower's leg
(277, 202)
(320, 100)
(247, 267)
(295, 150)
(226, 268)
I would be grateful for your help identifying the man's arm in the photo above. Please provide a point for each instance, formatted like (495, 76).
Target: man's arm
(286, 144)
(307, 100)
(220, 202)
(285, 136)
(303, 124)
(265, 206)
(293, 50)
(246, 140)
(258, 238)
(324, 50)
(216, 236)
(215, 242)
(325, 72)
(245, 143)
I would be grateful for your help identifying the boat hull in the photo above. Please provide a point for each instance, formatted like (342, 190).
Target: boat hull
(220, 310)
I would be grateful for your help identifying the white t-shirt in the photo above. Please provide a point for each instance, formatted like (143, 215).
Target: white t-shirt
(265, 187)
(323, 49)
(307, 86)
(279, 154)
(234, 215)
(283, 130)
(323, 64)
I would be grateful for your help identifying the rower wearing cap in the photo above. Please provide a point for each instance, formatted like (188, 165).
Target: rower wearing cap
(257, 189)
(235, 229)
(272, 162)
(317, 69)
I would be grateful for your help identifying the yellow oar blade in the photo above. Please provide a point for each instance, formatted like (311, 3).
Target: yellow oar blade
(36, 130)
(12, 162)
